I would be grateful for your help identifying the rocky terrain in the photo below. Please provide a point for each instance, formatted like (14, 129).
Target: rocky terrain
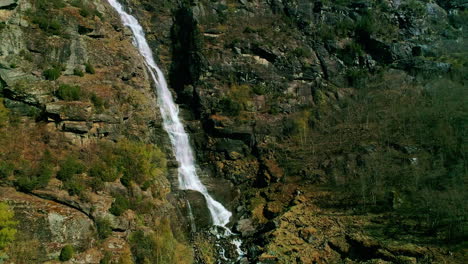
(335, 131)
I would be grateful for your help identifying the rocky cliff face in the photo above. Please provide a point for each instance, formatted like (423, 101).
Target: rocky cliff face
(79, 125)
(283, 100)
(274, 94)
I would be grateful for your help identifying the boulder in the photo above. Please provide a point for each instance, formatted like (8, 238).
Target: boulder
(73, 111)
(245, 227)
(21, 108)
(198, 208)
(76, 127)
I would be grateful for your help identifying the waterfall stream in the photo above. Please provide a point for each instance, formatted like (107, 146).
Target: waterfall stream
(187, 175)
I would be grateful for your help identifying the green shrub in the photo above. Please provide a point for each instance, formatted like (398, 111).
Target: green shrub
(366, 26)
(78, 72)
(97, 101)
(104, 227)
(326, 32)
(103, 171)
(302, 52)
(29, 177)
(43, 18)
(89, 68)
(132, 161)
(43, 175)
(47, 24)
(259, 89)
(86, 10)
(356, 77)
(67, 253)
(49, 4)
(6, 169)
(52, 73)
(25, 184)
(74, 186)
(69, 167)
(229, 107)
(69, 92)
(139, 162)
(3, 114)
(96, 184)
(106, 259)
(120, 205)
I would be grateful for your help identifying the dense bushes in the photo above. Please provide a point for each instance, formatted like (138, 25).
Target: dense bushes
(51, 26)
(30, 177)
(229, 107)
(52, 73)
(69, 167)
(159, 247)
(86, 10)
(399, 149)
(139, 162)
(89, 68)
(104, 227)
(103, 171)
(69, 92)
(120, 205)
(42, 17)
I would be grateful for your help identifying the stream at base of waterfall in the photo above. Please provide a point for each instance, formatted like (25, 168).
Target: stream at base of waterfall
(187, 175)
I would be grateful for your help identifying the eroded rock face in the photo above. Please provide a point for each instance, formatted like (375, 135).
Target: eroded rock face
(53, 224)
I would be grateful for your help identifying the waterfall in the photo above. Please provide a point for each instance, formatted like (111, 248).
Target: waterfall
(193, 227)
(187, 175)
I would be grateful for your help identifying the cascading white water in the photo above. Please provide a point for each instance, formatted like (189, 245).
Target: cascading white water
(188, 178)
